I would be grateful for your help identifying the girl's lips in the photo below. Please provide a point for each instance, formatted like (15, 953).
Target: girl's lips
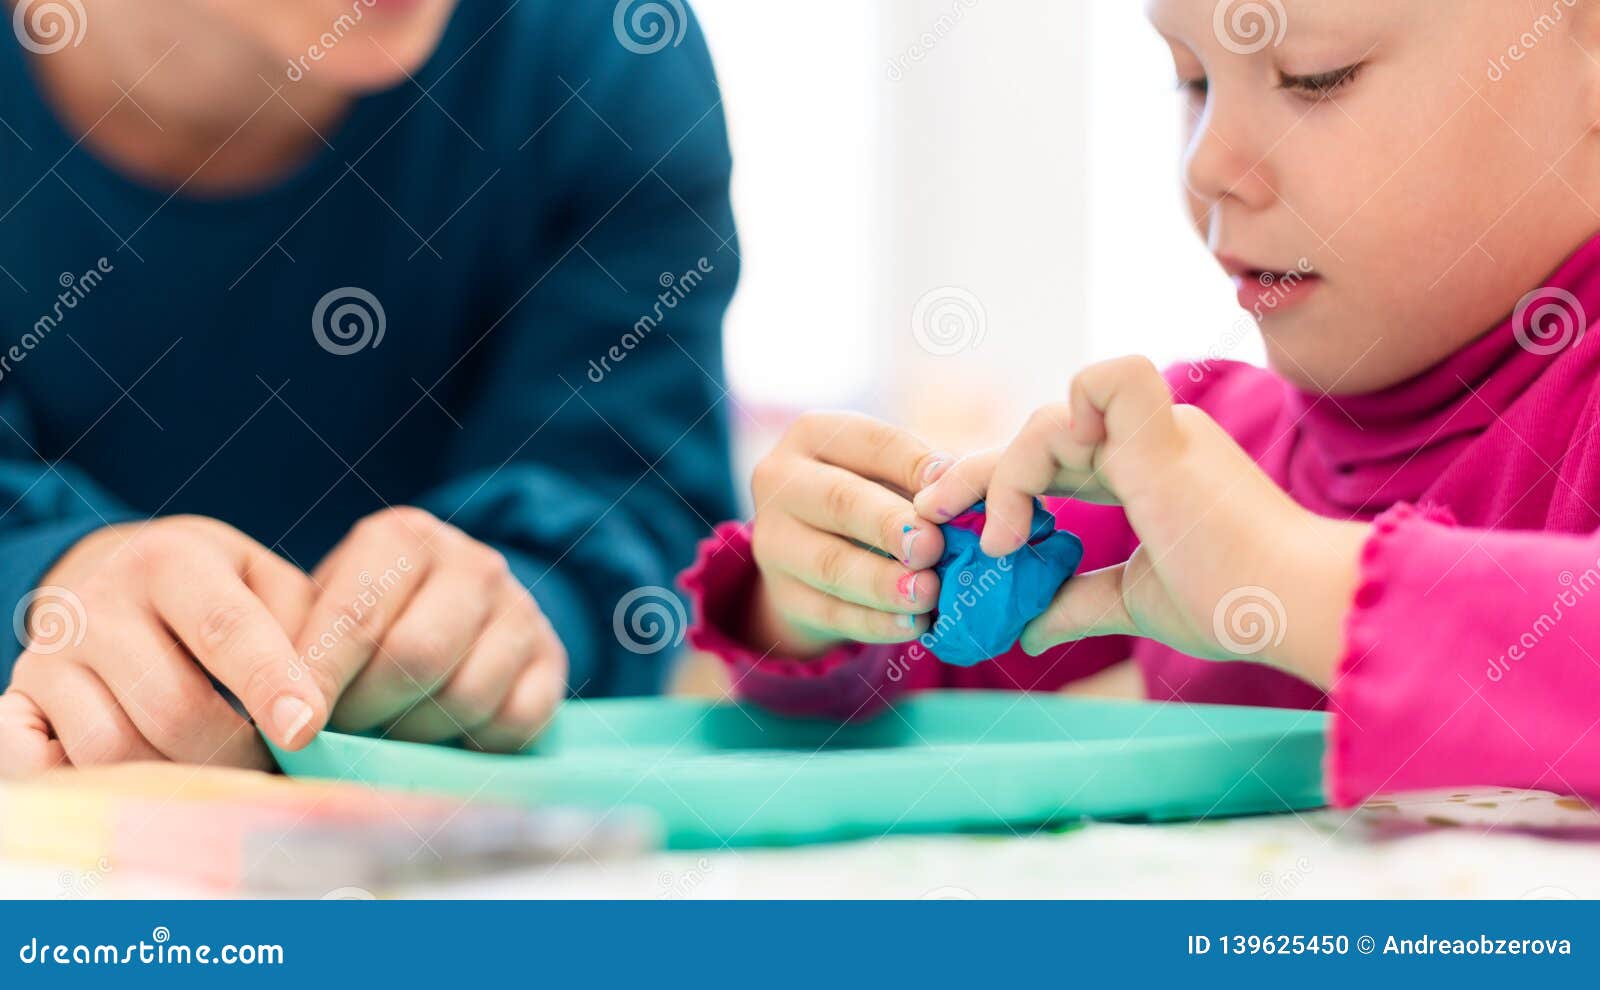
(1265, 293)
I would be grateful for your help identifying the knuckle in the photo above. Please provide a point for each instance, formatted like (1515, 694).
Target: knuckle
(879, 437)
(1141, 366)
(840, 500)
(1047, 420)
(175, 714)
(808, 424)
(161, 547)
(402, 522)
(222, 625)
(761, 540)
(766, 477)
(838, 615)
(488, 561)
(831, 566)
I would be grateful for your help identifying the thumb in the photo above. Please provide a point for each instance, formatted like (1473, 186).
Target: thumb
(1088, 605)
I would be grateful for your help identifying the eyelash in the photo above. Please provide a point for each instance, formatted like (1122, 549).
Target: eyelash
(1315, 87)
(1321, 85)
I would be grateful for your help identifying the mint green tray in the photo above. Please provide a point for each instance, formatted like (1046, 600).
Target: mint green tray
(939, 762)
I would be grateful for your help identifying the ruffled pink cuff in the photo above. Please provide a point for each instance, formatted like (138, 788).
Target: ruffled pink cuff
(1352, 769)
(848, 683)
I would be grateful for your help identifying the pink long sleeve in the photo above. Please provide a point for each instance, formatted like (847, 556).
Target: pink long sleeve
(855, 681)
(1472, 657)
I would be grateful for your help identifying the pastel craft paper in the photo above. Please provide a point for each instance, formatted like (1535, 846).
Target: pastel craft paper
(984, 602)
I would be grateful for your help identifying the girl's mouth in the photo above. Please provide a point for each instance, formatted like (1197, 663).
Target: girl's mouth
(1264, 292)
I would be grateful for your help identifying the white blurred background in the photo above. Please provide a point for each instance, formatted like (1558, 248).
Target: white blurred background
(948, 206)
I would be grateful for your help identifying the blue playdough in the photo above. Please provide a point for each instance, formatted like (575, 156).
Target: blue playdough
(985, 602)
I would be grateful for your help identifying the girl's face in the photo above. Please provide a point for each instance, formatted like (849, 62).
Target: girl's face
(1401, 172)
(351, 45)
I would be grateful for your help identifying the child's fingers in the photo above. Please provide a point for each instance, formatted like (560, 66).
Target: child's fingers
(959, 488)
(202, 599)
(364, 590)
(869, 448)
(167, 697)
(836, 501)
(1086, 606)
(528, 708)
(474, 702)
(840, 568)
(1120, 403)
(822, 613)
(27, 746)
(1028, 468)
(92, 727)
(422, 649)
(282, 587)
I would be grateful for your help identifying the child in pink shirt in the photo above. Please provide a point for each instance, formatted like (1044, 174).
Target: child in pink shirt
(1397, 521)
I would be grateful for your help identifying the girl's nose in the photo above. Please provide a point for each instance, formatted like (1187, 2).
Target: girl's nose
(1225, 161)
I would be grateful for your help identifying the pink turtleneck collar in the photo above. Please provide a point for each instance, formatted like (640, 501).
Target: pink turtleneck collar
(1355, 456)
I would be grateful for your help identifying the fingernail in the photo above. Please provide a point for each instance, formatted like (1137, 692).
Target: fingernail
(290, 715)
(907, 621)
(908, 587)
(934, 471)
(910, 538)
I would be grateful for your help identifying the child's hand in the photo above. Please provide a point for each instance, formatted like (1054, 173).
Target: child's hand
(1214, 530)
(835, 484)
(427, 632)
(118, 625)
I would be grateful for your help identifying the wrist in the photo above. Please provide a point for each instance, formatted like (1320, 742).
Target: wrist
(1320, 586)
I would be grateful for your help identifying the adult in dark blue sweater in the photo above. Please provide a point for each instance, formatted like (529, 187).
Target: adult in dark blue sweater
(358, 358)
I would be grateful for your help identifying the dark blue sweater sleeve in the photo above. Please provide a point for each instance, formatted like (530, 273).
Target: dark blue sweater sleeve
(44, 509)
(594, 449)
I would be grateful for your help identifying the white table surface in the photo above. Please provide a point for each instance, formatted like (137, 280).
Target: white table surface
(1488, 844)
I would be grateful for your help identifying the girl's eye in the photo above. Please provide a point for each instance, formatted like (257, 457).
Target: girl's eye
(1321, 85)
(1194, 87)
